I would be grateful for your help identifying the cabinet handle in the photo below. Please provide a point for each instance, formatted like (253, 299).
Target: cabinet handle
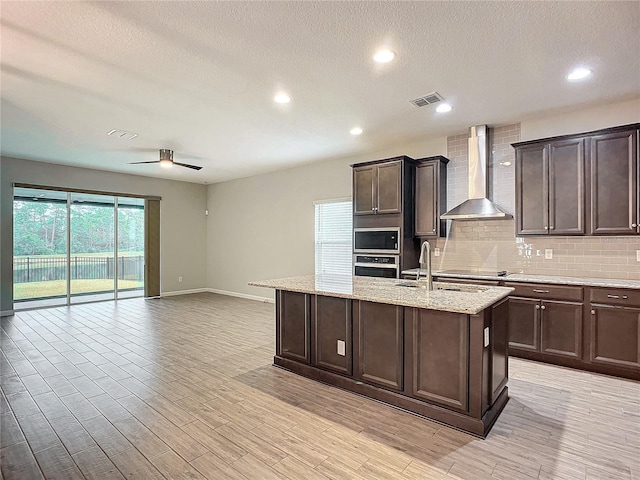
(540, 291)
(593, 312)
(546, 228)
(434, 229)
(624, 297)
(537, 307)
(551, 227)
(634, 225)
(543, 307)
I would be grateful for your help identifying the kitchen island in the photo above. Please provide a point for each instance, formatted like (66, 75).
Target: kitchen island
(441, 354)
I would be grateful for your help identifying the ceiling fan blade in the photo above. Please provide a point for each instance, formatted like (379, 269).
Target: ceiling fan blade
(134, 163)
(194, 167)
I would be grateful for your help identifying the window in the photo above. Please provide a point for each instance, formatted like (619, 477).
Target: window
(333, 237)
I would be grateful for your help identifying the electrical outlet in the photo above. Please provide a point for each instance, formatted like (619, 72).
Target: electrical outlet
(341, 346)
(436, 252)
(548, 254)
(180, 279)
(638, 255)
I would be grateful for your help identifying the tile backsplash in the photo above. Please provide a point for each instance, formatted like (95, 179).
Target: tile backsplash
(492, 244)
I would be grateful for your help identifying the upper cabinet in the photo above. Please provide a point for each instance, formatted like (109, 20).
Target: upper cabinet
(431, 196)
(584, 184)
(377, 188)
(550, 188)
(614, 183)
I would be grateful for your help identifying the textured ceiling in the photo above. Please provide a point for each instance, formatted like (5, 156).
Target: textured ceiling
(199, 77)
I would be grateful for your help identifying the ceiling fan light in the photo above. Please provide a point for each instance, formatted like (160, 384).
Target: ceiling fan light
(166, 163)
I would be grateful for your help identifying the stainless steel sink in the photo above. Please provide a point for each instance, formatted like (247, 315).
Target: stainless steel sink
(446, 287)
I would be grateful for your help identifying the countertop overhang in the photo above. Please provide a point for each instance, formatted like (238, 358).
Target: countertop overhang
(386, 290)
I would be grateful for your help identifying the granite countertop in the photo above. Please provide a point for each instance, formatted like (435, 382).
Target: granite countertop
(385, 290)
(552, 279)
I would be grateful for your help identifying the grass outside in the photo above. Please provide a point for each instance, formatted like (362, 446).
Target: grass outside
(23, 291)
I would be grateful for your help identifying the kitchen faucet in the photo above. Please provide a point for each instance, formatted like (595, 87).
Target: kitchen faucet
(425, 262)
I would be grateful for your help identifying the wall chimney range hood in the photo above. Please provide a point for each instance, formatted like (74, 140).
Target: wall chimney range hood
(478, 206)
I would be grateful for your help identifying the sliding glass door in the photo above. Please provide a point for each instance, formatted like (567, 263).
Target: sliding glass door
(130, 247)
(92, 258)
(40, 247)
(76, 247)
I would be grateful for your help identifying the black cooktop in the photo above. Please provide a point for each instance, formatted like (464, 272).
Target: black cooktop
(494, 273)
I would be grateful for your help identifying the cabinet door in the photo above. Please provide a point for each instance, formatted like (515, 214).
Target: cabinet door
(532, 190)
(333, 334)
(380, 344)
(561, 329)
(440, 356)
(293, 323)
(426, 200)
(363, 182)
(566, 187)
(614, 336)
(389, 187)
(614, 184)
(524, 328)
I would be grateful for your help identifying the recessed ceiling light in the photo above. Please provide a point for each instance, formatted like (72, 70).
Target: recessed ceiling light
(384, 55)
(578, 74)
(282, 98)
(443, 108)
(355, 131)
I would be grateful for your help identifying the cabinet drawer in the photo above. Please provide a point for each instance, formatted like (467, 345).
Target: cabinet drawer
(615, 296)
(545, 291)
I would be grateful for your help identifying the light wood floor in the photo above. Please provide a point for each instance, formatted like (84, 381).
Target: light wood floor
(183, 387)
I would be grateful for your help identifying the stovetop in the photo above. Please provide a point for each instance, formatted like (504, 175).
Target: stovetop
(501, 273)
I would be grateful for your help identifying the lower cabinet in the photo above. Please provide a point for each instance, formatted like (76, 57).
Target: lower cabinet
(615, 337)
(380, 337)
(440, 353)
(293, 312)
(332, 334)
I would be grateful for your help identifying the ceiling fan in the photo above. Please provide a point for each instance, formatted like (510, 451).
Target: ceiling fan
(166, 160)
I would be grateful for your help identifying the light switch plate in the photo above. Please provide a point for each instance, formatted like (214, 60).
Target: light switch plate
(638, 255)
(548, 254)
(486, 336)
(341, 346)
(436, 252)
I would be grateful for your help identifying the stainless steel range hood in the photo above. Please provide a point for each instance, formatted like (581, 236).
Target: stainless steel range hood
(478, 206)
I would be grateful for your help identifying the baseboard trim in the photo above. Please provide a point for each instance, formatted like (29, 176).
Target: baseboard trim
(184, 292)
(242, 295)
(6, 313)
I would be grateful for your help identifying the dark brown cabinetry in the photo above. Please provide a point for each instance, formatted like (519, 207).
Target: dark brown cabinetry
(614, 183)
(440, 355)
(380, 329)
(450, 367)
(431, 196)
(293, 321)
(377, 188)
(332, 334)
(583, 184)
(550, 194)
(538, 323)
(615, 328)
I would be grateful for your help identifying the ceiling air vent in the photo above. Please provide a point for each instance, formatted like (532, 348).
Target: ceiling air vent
(428, 99)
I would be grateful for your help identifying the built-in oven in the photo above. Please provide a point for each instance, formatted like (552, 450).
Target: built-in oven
(385, 266)
(377, 240)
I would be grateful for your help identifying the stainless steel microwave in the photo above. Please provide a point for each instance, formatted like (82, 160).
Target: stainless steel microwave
(376, 240)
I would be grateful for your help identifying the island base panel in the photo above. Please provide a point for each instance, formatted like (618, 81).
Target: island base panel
(474, 426)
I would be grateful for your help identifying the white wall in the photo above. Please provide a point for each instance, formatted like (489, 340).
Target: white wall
(263, 226)
(595, 118)
(183, 228)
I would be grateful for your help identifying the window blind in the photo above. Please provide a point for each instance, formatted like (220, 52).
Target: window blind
(333, 237)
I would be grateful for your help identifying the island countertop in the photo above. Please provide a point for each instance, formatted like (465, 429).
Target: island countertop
(386, 290)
